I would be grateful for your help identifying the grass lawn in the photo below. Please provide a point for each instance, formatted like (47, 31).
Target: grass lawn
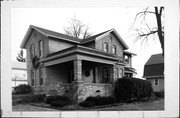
(143, 106)
(147, 105)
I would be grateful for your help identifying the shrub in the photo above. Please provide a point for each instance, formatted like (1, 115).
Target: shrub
(130, 89)
(159, 94)
(38, 98)
(49, 99)
(87, 103)
(98, 100)
(61, 103)
(22, 89)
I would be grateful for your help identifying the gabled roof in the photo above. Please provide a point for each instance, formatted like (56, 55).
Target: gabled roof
(154, 66)
(61, 36)
(113, 31)
(48, 33)
(92, 38)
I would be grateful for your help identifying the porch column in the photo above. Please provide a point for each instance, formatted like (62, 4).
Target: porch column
(77, 70)
(114, 74)
(77, 84)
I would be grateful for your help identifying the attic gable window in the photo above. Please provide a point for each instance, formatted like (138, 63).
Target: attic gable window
(105, 47)
(114, 49)
(40, 48)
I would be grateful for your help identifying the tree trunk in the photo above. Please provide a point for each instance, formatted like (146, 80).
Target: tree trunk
(160, 32)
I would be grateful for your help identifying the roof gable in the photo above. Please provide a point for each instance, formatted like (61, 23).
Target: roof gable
(47, 33)
(100, 35)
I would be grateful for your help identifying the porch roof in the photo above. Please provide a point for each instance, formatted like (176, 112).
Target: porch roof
(130, 70)
(83, 51)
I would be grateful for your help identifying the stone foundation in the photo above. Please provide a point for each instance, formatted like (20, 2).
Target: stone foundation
(79, 91)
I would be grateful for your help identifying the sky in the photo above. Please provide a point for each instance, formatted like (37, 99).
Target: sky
(99, 19)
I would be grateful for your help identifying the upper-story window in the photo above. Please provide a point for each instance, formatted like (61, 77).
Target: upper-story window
(126, 59)
(105, 47)
(156, 81)
(40, 48)
(114, 49)
(31, 51)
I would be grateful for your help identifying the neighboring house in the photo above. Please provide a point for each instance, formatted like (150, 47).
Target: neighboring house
(19, 73)
(154, 72)
(65, 65)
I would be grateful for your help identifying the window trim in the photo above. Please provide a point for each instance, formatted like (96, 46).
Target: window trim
(31, 51)
(41, 76)
(40, 46)
(105, 48)
(128, 58)
(114, 48)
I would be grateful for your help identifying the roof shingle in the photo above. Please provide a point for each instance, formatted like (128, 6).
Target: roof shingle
(154, 66)
(155, 59)
(56, 34)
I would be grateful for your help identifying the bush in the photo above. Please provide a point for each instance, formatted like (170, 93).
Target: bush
(130, 89)
(38, 98)
(22, 89)
(87, 104)
(49, 99)
(59, 103)
(98, 100)
(159, 94)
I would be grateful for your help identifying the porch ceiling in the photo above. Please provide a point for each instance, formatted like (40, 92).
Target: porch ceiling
(79, 52)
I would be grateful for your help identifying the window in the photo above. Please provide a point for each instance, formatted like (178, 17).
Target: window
(40, 48)
(32, 78)
(114, 49)
(87, 73)
(126, 59)
(105, 47)
(31, 51)
(107, 75)
(156, 82)
(40, 76)
(120, 73)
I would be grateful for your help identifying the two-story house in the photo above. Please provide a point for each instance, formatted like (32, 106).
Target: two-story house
(64, 65)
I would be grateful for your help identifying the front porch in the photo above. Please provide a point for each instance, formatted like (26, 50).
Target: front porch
(80, 79)
(81, 72)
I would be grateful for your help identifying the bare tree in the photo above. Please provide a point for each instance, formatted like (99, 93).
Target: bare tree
(144, 29)
(77, 29)
(21, 57)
